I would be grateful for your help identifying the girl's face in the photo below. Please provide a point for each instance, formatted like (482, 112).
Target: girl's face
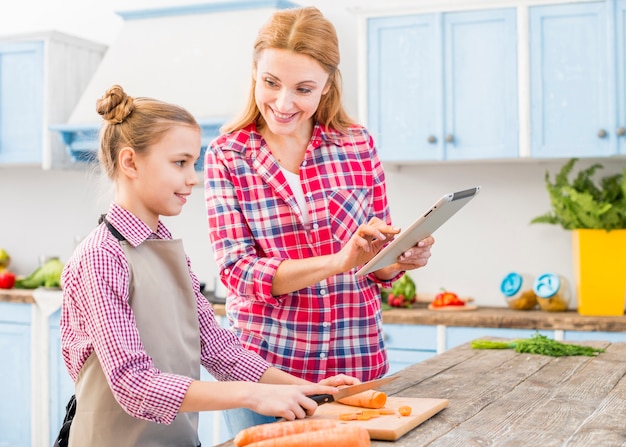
(289, 87)
(165, 174)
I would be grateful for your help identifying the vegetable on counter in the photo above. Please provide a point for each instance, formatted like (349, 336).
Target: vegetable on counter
(403, 292)
(445, 298)
(48, 275)
(303, 433)
(366, 399)
(538, 344)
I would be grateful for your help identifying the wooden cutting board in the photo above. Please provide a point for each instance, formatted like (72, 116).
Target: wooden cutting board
(387, 427)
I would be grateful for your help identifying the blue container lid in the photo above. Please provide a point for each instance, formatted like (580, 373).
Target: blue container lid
(511, 284)
(547, 285)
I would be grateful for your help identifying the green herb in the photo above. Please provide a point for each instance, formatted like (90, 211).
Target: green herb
(538, 344)
(583, 204)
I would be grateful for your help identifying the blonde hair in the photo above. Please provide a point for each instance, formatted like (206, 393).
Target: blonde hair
(135, 122)
(304, 31)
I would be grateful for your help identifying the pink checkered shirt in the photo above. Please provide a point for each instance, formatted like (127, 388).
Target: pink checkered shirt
(96, 316)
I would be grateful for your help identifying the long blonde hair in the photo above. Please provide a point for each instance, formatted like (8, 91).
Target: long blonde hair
(135, 122)
(304, 31)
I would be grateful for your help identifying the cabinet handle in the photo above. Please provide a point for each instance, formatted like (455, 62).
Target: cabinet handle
(449, 138)
(432, 139)
(601, 133)
(621, 131)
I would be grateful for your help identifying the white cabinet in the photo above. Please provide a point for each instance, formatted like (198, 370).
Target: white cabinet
(42, 76)
(443, 86)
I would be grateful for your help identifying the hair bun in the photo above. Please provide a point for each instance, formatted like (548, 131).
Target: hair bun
(115, 106)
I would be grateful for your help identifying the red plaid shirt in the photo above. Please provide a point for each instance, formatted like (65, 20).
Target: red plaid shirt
(96, 316)
(333, 326)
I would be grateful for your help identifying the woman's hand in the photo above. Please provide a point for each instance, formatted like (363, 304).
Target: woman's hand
(415, 257)
(365, 243)
(339, 380)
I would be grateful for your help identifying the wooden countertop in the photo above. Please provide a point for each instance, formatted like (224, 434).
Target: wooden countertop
(498, 317)
(500, 397)
(493, 317)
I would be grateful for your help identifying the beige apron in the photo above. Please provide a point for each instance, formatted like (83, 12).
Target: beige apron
(164, 305)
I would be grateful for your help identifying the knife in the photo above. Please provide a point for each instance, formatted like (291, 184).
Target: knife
(350, 390)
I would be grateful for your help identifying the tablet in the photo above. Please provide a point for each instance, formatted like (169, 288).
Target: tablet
(424, 226)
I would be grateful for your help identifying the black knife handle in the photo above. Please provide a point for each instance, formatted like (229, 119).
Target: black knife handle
(322, 398)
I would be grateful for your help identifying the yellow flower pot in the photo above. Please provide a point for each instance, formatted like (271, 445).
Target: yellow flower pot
(600, 271)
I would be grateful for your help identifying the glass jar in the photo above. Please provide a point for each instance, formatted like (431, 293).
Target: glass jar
(553, 292)
(518, 291)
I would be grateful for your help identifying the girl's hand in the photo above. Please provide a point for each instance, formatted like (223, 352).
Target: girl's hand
(287, 401)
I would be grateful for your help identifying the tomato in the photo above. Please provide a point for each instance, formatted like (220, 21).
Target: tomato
(446, 298)
(7, 279)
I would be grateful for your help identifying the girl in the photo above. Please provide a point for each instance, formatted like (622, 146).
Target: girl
(135, 327)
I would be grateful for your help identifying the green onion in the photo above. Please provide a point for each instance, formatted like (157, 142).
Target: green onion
(538, 344)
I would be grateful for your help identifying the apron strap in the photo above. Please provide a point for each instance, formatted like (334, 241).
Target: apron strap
(111, 228)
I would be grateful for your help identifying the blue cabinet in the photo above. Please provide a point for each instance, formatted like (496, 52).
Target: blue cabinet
(443, 86)
(409, 344)
(577, 92)
(42, 76)
(21, 101)
(15, 385)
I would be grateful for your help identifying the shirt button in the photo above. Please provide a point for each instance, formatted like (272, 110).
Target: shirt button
(322, 292)
(227, 272)
(304, 163)
(325, 324)
(315, 226)
(322, 355)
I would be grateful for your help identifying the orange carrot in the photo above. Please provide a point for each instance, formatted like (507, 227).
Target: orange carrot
(386, 411)
(344, 436)
(366, 399)
(278, 429)
(405, 410)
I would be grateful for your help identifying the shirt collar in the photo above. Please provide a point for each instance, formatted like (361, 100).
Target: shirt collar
(133, 228)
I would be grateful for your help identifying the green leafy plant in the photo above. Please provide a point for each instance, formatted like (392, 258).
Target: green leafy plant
(582, 203)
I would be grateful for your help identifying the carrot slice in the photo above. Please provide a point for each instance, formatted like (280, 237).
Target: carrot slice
(405, 410)
(386, 411)
(347, 417)
(371, 413)
(261, 432)
(366, 399)
(344, 436)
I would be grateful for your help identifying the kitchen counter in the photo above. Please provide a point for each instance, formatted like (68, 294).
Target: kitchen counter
(498, 317)
(500, 397)
(419, 314)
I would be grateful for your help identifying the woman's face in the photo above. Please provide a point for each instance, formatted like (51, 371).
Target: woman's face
(289, 87)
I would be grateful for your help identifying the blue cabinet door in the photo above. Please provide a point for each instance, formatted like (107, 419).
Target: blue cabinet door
(570, 81)
(15, 374)
(21, 102)
(480, 92)
(405, 87)
(443, 86)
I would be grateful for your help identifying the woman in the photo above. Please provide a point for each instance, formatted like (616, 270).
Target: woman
(135, 327)
(296, 201)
